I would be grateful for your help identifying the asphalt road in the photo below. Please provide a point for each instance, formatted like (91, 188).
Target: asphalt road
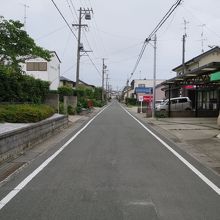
(113, 170)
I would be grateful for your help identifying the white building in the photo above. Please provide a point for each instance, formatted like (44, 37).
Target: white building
(45, 70)
(144, 87)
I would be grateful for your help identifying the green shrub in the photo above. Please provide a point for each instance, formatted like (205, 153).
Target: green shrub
(131, 101)
(22, 88)
(65, 91)
(71, 110)
(25, 113)
(98, 103)
(61, 108)
(83, 102)
(78, 109)
(79, 92)
(161, 114)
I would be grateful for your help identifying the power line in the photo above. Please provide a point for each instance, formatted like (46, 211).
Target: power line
(64, 18)
(50, 33)
(148, 39)
(74, 34)
(71, 11)
(71, 2)
(94, 65)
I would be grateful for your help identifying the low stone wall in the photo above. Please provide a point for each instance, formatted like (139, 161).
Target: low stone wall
(14, 142)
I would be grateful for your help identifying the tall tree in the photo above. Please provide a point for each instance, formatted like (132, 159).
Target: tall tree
(16, 45)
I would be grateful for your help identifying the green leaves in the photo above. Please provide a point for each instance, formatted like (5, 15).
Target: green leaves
(24, 113)
(22, 88)
(16, 45)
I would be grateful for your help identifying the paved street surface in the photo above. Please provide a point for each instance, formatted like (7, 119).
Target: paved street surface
(113, 170)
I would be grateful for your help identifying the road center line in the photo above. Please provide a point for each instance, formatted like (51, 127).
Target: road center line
(21, 185)
(188, 164)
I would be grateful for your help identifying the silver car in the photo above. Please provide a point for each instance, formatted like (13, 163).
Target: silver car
(176, 104)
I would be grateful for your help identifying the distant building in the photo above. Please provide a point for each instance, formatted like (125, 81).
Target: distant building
(86, 85)
(45, 70)
(199, 79)
(66, 82)
(144, 87)
(127, 92)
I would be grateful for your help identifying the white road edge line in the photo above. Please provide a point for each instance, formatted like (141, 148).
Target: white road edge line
(189, 165)
(21, 185)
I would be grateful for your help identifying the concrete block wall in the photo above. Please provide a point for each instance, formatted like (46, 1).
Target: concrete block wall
(14, 142)
(52, 100)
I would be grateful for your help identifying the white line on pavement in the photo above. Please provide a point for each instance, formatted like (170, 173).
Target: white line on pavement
(20, 186)
(189, 165)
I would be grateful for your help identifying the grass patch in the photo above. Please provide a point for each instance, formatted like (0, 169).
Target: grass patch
(25, 113)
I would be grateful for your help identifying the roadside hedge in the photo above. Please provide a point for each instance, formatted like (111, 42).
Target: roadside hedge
(131, 101)
(20, 88)
(25, 113)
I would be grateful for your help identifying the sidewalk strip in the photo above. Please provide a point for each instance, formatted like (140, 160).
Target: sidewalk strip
(189, 165)
(21, 185)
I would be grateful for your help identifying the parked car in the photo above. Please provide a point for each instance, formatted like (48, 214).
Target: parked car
(176, 104)
(158, 102)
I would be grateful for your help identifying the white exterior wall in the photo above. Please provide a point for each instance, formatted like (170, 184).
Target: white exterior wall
(52, 74)
(160, 94)
(213, 57)
(149, 83)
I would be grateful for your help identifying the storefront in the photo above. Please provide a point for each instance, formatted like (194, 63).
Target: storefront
(202, 86)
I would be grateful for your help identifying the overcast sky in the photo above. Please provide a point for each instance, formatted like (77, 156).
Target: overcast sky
(117, 31)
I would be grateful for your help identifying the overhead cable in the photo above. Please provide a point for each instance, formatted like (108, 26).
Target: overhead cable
(64, 18)
(148, 39)
(73, 33)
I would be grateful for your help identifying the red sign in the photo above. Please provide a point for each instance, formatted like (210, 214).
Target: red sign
(148, 98)
(189, 87)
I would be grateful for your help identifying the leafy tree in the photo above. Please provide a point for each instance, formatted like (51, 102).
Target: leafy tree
(16, 46)
(98, 93)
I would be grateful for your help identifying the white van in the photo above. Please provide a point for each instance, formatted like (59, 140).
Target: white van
(176, 104)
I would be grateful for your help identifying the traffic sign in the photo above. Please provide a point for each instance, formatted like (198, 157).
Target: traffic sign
(141, 98)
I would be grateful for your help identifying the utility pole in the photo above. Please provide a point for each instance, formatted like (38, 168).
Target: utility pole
(154, 77)
(184, 45)
(183, 54)
(106, 86)
(103, 77)
(87, 15)
(127, 84)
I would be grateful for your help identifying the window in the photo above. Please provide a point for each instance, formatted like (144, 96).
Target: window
(174, 101)
(36, 66)
(141, 85)
(182, 100)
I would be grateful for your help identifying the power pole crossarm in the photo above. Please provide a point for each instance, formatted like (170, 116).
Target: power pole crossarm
(86, 13)
(78, 47)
